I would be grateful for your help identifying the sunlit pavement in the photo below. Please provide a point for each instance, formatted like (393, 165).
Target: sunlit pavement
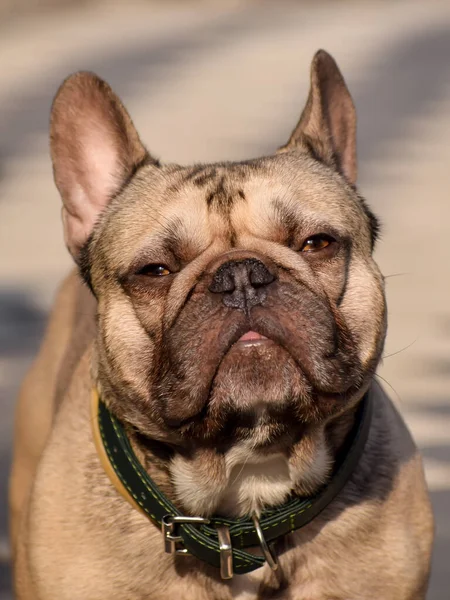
(228, 81)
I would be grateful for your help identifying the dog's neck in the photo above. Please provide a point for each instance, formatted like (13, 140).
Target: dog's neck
(245, 481)
(242, 480)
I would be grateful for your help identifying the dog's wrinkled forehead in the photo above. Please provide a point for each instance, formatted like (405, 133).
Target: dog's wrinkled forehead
(280, 199)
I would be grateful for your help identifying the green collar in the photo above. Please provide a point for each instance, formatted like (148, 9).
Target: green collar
(218, 541)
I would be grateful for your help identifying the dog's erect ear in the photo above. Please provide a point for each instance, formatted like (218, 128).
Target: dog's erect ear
(327, 127)
(95, 149)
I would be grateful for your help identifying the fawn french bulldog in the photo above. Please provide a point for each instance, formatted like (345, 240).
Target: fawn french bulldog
(202, 421)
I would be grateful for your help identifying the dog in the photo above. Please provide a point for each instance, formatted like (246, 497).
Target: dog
(202, 421)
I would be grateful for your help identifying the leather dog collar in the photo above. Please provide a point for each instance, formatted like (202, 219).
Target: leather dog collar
(218, 541)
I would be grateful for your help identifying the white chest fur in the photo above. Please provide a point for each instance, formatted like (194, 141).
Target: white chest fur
(248, 482)
(254, 481)
(243, 481)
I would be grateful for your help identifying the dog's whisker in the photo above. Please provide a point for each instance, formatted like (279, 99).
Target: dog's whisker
(240, 472)
(399, 351)
(396, 275)
(392, 388)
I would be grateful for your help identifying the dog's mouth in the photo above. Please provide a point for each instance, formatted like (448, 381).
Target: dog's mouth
(241, 333)
(252, 338)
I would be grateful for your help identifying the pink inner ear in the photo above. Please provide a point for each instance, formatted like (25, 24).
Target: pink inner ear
(95, 147)
(102, 170)
(75, 233)
(89, 187)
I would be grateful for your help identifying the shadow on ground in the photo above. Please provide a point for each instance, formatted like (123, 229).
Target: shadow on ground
(21, 328)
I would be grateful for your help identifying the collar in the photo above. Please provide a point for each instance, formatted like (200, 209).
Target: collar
(218, 541)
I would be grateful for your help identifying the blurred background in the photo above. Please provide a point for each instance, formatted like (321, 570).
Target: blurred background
(227, 80)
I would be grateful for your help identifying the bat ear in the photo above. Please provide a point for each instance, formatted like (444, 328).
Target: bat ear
(95, 149)
(327, 126)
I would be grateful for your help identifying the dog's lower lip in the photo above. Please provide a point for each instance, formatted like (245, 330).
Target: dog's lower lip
(253, 343)
(251, 336)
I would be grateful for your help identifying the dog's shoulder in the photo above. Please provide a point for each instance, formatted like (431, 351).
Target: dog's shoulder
(68, 334)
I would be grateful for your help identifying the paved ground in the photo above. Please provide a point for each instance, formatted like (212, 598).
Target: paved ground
(228, 81)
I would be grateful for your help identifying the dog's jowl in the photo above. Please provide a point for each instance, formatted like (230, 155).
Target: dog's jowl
(202, 421)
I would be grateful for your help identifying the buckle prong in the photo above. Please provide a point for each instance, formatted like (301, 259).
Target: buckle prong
(169, 527)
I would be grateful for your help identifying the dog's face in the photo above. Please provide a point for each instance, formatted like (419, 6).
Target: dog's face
(236, 301)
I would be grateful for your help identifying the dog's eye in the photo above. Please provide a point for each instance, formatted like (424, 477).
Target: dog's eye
(155, 271)
(317, 242)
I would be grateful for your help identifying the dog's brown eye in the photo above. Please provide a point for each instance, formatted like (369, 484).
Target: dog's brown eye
(155, 271)
(317, 242)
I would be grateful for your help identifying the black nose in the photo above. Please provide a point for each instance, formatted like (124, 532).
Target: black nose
(243, 283)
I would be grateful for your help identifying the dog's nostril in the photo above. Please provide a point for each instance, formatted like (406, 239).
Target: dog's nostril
(229, 284)
(222, 282)
(260, 275)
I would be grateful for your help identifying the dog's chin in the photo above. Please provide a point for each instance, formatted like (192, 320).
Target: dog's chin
(257, 372)
(259, 394)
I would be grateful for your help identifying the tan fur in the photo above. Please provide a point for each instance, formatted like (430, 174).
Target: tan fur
(221, 426)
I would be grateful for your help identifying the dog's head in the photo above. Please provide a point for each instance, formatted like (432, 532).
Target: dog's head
(235, 300)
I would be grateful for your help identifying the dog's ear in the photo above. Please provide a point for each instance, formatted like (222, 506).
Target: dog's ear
(327, 127)
(95, 149)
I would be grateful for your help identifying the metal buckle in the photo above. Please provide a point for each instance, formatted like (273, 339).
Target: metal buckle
(270, 558)
(169, 525)
(226, 552)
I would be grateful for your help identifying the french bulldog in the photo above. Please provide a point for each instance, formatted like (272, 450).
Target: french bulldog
(231, 317)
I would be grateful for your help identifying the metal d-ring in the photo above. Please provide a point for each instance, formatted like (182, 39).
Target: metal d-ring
(270, 558)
